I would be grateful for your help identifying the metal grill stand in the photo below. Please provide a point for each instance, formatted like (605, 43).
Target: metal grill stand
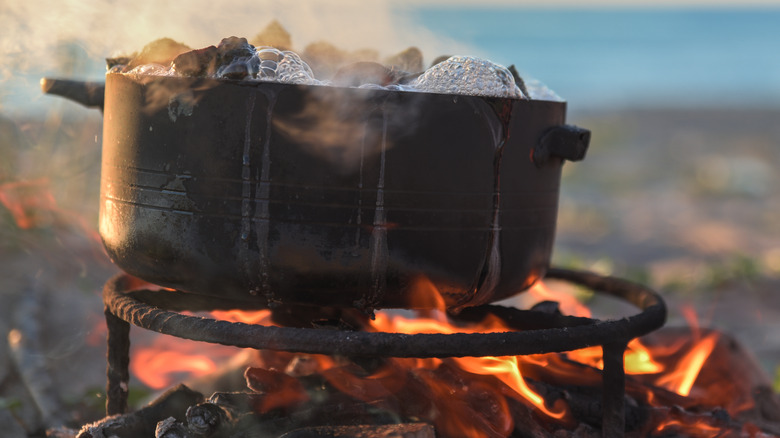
(539, 333)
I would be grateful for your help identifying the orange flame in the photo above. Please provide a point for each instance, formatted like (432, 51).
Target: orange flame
(158, 367)
(470, 396)
(506, 369)
(638, 359)
(568, 304)
(261, 317)
(167, 359)
(697, 428)
(683, 376)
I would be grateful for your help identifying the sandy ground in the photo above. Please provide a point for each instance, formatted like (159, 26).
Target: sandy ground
(688, 202)
(685, 201)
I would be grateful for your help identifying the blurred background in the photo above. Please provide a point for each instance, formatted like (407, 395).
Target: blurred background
(679, 189)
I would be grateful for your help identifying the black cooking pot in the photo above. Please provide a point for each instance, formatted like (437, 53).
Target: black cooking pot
(327, 196)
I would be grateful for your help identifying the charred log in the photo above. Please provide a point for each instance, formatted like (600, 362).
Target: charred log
(172, 404)
(170, 428)
(208, 420)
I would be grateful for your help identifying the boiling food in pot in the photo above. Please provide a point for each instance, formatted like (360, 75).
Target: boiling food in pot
(236, 59)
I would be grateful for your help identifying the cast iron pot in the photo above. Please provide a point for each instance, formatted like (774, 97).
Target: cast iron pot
(327, 196)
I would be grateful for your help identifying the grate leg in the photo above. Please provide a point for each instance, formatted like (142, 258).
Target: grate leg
(117, 372)
(614, 390)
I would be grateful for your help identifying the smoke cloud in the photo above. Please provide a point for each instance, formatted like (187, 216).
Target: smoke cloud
(71, 37)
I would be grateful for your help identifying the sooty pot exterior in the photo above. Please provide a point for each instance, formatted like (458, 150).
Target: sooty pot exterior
(326, 196)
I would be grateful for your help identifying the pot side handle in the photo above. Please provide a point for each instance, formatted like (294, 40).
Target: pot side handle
(565, 141)
(89, 94)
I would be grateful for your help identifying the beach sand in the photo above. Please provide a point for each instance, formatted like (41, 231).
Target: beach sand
(687, 201)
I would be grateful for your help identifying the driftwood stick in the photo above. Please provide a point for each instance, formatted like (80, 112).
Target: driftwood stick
(143, 422)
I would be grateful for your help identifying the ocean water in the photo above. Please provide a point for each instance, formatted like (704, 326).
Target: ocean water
(629, 56)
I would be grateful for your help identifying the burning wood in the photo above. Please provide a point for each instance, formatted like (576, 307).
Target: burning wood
(209, 419)
(341, 398)
(142, 423)
(539, 395)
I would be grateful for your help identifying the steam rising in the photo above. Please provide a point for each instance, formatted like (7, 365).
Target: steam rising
(71, 37)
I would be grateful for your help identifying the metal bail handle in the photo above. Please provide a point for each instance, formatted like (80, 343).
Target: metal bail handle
(566, 141)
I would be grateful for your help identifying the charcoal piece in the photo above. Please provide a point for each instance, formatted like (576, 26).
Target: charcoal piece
(200, 62)
(410, 60)
(273, 35)
(117, 61)
(235, 70)
(547, 307)
(253, 66)
(170, 428)
(324, 58)
(207, 419)
(237, 402)
(143, 422)
(161, 51)
(232, 48)
(440, 59)
(518, 80)
(582, 431)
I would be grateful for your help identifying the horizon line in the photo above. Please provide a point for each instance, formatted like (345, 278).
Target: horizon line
(574, 4)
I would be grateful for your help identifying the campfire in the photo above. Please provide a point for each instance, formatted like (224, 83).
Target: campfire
(678, 382)
(315, 224)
